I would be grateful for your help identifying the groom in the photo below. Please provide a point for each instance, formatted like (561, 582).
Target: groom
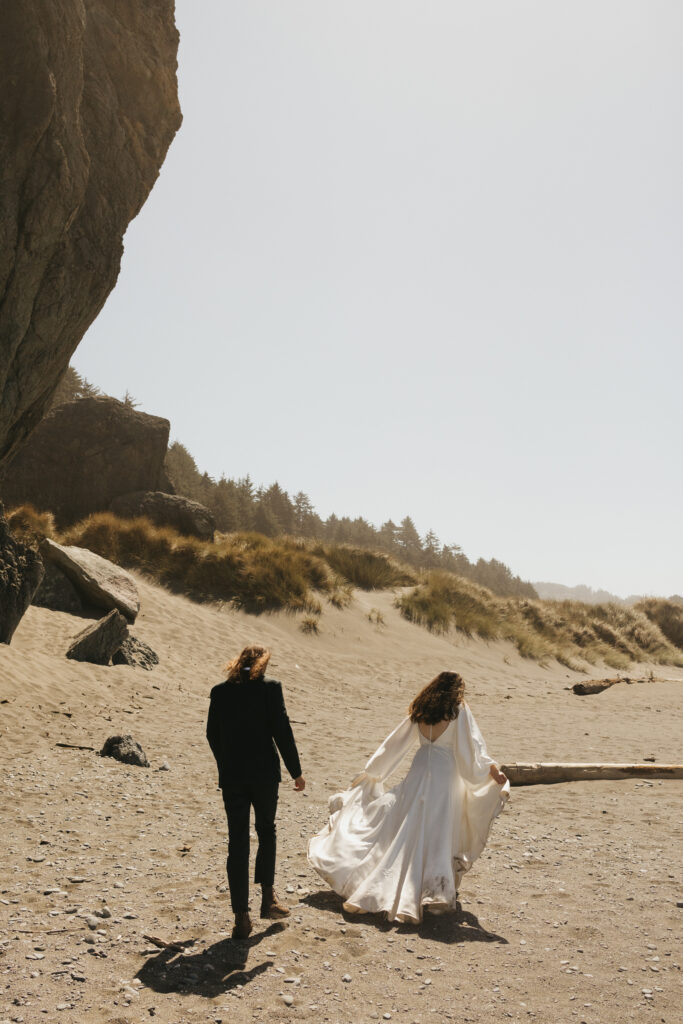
(246, 727)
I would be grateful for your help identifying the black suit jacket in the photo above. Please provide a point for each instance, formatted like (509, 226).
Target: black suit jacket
(246, 727)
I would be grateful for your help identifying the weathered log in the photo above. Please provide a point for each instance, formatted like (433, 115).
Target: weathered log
(598, 685)
(162, 944)
(548, 773)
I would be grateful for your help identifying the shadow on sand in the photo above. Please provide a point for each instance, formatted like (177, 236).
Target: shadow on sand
(211, 972)
(457, 925)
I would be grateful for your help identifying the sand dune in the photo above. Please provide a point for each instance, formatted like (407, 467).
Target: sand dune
(571, 914)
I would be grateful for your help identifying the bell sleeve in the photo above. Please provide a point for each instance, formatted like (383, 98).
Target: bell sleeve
(474, 762)
(480, 797)
(389, 754)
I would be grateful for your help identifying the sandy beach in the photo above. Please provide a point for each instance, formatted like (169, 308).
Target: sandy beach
(572, 914)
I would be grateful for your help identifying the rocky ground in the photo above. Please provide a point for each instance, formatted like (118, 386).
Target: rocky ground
(572, 914)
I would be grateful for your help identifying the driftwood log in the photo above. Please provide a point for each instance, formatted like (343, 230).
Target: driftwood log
(546, 773)
(598, 685)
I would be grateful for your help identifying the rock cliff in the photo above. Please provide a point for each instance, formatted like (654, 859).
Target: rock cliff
(89, 106)
(83, 455)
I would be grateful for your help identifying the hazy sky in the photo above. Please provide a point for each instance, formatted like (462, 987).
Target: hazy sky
(424, 258)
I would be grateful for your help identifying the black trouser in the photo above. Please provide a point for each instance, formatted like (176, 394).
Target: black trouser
(239, 798)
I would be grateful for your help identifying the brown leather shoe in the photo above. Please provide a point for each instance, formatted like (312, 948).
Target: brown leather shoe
(271, 908)
(243, 925)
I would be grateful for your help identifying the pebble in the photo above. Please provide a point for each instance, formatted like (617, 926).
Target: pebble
(346, 977)
(288, 1000)
(79, 878)
(164, 767)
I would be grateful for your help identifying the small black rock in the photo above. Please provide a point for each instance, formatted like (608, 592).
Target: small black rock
(125, 748)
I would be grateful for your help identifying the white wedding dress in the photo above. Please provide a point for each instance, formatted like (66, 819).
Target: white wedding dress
(405, 848)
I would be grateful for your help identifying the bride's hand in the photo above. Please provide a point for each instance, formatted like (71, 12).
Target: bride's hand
(498, 776)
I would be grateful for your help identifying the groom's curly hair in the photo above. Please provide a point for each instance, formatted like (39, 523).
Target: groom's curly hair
(252, 662)
(439, 700)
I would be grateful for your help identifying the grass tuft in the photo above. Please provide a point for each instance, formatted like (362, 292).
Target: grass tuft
(376, 618)
(309, 624)
(31, 526)
(367, 570)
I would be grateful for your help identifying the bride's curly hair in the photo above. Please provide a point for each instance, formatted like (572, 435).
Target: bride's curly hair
(439, 700)
(253, 658)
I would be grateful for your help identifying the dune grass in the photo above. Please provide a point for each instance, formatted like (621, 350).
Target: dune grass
(367, 570)
(29, 525)
(258, 574)
(668, 615)
(252, 571)
(249, 570)
(570, 631)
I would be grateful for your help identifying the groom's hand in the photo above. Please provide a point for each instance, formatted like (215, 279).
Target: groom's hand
(300, 784)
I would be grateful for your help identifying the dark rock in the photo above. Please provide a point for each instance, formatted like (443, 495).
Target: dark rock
(187, 517)
(98, 580)
(21, 571)
(124, 748)
(99, 642)
(83, 455)
(89, 106)
(135, 653)
(57, 592)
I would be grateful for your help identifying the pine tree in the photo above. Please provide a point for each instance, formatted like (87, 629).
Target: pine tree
(431, 548)
(409, 542)
(71, 387)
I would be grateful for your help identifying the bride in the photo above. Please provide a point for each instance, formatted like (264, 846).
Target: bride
(406, 848)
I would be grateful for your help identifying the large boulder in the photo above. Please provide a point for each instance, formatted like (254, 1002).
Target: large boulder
(100, 642)
(57, 592)
(186, 516)
(83, 455)
(21, 570)
(89, 106)
(97, 580)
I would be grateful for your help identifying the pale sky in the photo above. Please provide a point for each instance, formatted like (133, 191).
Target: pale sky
(424, 258)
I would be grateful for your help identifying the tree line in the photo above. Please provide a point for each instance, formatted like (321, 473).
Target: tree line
(239, 505)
